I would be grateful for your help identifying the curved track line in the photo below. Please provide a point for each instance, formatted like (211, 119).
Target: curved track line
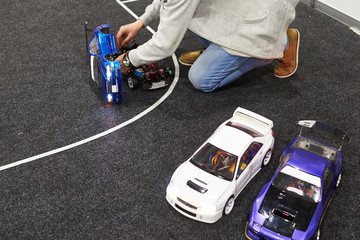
(140, 115)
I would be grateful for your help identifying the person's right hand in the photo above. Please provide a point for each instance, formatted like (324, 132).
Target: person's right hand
(124, 69)
(128, 32)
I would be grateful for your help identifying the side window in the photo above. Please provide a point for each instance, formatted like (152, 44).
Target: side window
(248, 155)
(94, 47)
(328, 175)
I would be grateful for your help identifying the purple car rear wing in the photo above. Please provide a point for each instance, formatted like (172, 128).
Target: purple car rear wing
(324, 128)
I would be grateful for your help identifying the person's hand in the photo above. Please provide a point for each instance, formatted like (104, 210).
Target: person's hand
(124, 69)
(128, 32)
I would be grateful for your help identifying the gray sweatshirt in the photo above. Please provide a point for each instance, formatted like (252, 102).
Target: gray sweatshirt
(255, 28)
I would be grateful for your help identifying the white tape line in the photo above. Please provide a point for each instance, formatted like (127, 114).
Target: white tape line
(133, 14)
(76, 144)
(129, 1)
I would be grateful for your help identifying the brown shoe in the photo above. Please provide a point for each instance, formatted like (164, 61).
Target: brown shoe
(288, 64)
(189, 58)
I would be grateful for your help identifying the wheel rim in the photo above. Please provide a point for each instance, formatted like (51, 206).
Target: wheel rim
(131, 83)
(338, 180)
(267, 158)
(318, 234)
(229, 206)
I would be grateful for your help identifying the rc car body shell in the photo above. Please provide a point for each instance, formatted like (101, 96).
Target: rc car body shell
(200, 189)
(291, 212)
(103, 69)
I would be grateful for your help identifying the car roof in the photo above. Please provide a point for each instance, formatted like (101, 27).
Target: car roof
(230, 139)
(308, 162)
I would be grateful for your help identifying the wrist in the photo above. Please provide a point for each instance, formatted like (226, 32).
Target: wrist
(126, 60)
(140, 24)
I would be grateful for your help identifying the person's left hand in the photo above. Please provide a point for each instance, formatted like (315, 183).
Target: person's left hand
(124, 69)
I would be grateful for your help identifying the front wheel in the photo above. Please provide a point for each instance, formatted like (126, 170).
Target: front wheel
(132, 82)
(338, 180)
(267, 158)
(317, 234)
(229, 206)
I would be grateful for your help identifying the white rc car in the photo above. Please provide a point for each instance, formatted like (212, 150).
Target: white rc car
(205, 186)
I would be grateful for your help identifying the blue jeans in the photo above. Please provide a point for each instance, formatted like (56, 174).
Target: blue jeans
(216, 68)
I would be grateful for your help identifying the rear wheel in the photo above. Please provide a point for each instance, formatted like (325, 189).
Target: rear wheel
(267, 158)
(229, 206)
(170, 72)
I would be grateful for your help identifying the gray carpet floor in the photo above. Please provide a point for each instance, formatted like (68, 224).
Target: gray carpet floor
(114, 186)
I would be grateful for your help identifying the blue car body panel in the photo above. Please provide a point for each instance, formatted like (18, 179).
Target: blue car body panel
(103, 69)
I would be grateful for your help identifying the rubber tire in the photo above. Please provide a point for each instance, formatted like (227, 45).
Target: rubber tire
(267, 158)
(132, 83)
(229, 206)
(170, 73)
(338, 181)
(317, 234)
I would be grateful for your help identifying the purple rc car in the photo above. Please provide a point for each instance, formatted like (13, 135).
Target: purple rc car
(293, 203)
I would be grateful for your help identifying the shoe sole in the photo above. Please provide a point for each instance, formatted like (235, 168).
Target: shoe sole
(297, 59)
(185, 64)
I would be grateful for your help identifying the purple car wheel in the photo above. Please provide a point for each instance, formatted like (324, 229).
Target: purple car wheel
(338, 180)
(317, 234)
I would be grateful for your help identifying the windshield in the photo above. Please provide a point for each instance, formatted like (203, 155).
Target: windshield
(215, 161)
(297, 187)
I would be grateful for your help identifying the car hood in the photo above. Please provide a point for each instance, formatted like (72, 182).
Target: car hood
(197, 186)
(285, 212)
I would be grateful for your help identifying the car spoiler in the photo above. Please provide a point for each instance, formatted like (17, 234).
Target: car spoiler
(249, 116)
(324, 128)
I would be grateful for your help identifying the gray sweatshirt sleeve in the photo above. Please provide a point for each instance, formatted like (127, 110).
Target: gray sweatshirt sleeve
(152, 13)
(175, 16)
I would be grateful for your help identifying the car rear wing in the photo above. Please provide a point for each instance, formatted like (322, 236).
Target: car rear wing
(324, 128)
(257, 121)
